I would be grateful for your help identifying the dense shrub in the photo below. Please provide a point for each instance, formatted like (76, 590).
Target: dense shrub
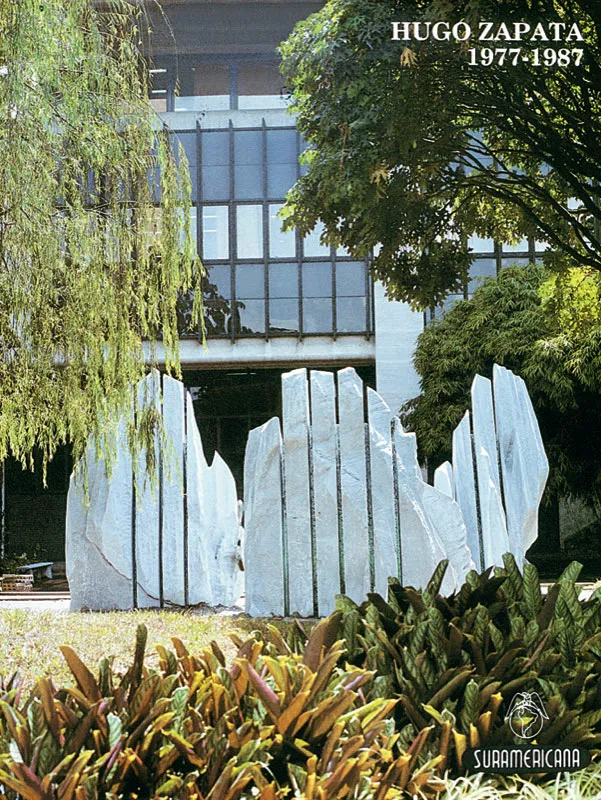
(457, 661)
(272, 725)
(380, 701)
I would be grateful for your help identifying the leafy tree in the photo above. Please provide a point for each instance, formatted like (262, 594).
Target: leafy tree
(91, 258)
(412, 148)
(545, 328)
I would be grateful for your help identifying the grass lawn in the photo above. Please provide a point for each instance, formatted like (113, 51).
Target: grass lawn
(29, 640)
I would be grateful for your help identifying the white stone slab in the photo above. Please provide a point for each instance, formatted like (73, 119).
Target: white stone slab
(387, 550)
(323, 425)
(295, 413)
(494, 528)
(447, 522)
(172, 517)
(524, 464)
(443, 479)
(263, 516)
(147, 506)
(98, 556)
(421, 544)
(465, 487)
(200, 513)
(492, 514)
(223, 537)
(353, 480)
(101, 534)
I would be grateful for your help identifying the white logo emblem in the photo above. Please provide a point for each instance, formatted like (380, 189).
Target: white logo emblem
(526, 715)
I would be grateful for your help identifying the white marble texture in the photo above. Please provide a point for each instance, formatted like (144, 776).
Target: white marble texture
(263, 517)
(353, 483)
(405, 527)
(492, 514)
(387, 545)
(295, 413)
(324, 438)
(443, 479)
(465, 487)
(420, 509)
(524, 463)
(101, 533)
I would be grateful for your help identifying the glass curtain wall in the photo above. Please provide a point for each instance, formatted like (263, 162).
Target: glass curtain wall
(262, 281)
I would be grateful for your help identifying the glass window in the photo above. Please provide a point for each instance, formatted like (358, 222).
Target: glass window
(283, 280)
(248, 147)
(317, 279)
(312, 246)
(481, 269)
(188, 142)
(281, 245)
(248, 182)
(250, 281)
(215, 183)
(514, 262)
(218, 281)
(215, 149)
(317, 315)
(350, 279)
(249, 233)
(184, 314)
(350, 314)
(479, 245)
(520, 247)
(215, 232)
(281, 147)
(280, 178)
(250, 316)
(283, 316)
(217, 302)
(449, 301)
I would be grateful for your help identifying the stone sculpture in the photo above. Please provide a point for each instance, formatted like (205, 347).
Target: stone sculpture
(339, 504)
(131, 544)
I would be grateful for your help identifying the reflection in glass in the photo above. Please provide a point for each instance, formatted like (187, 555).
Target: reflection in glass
(317, 315)
(350, 314)
(281, 245)
(250, 281)
(217, 303)
(481, 269)
(312, 245)
(479, 245)
(215, 232)
(283, 316)
(520, 247)
(250, 316)
(249, 234)
(184, 314)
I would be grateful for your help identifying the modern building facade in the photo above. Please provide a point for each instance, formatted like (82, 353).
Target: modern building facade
(273, 301)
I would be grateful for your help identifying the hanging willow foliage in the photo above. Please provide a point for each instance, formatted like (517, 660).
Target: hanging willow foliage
(92, 254)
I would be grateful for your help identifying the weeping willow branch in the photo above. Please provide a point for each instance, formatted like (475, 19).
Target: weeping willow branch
(95, 238)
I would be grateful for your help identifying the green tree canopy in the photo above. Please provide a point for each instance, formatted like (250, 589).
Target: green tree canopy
(413, 148)
(547, 330)
(92, 255)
